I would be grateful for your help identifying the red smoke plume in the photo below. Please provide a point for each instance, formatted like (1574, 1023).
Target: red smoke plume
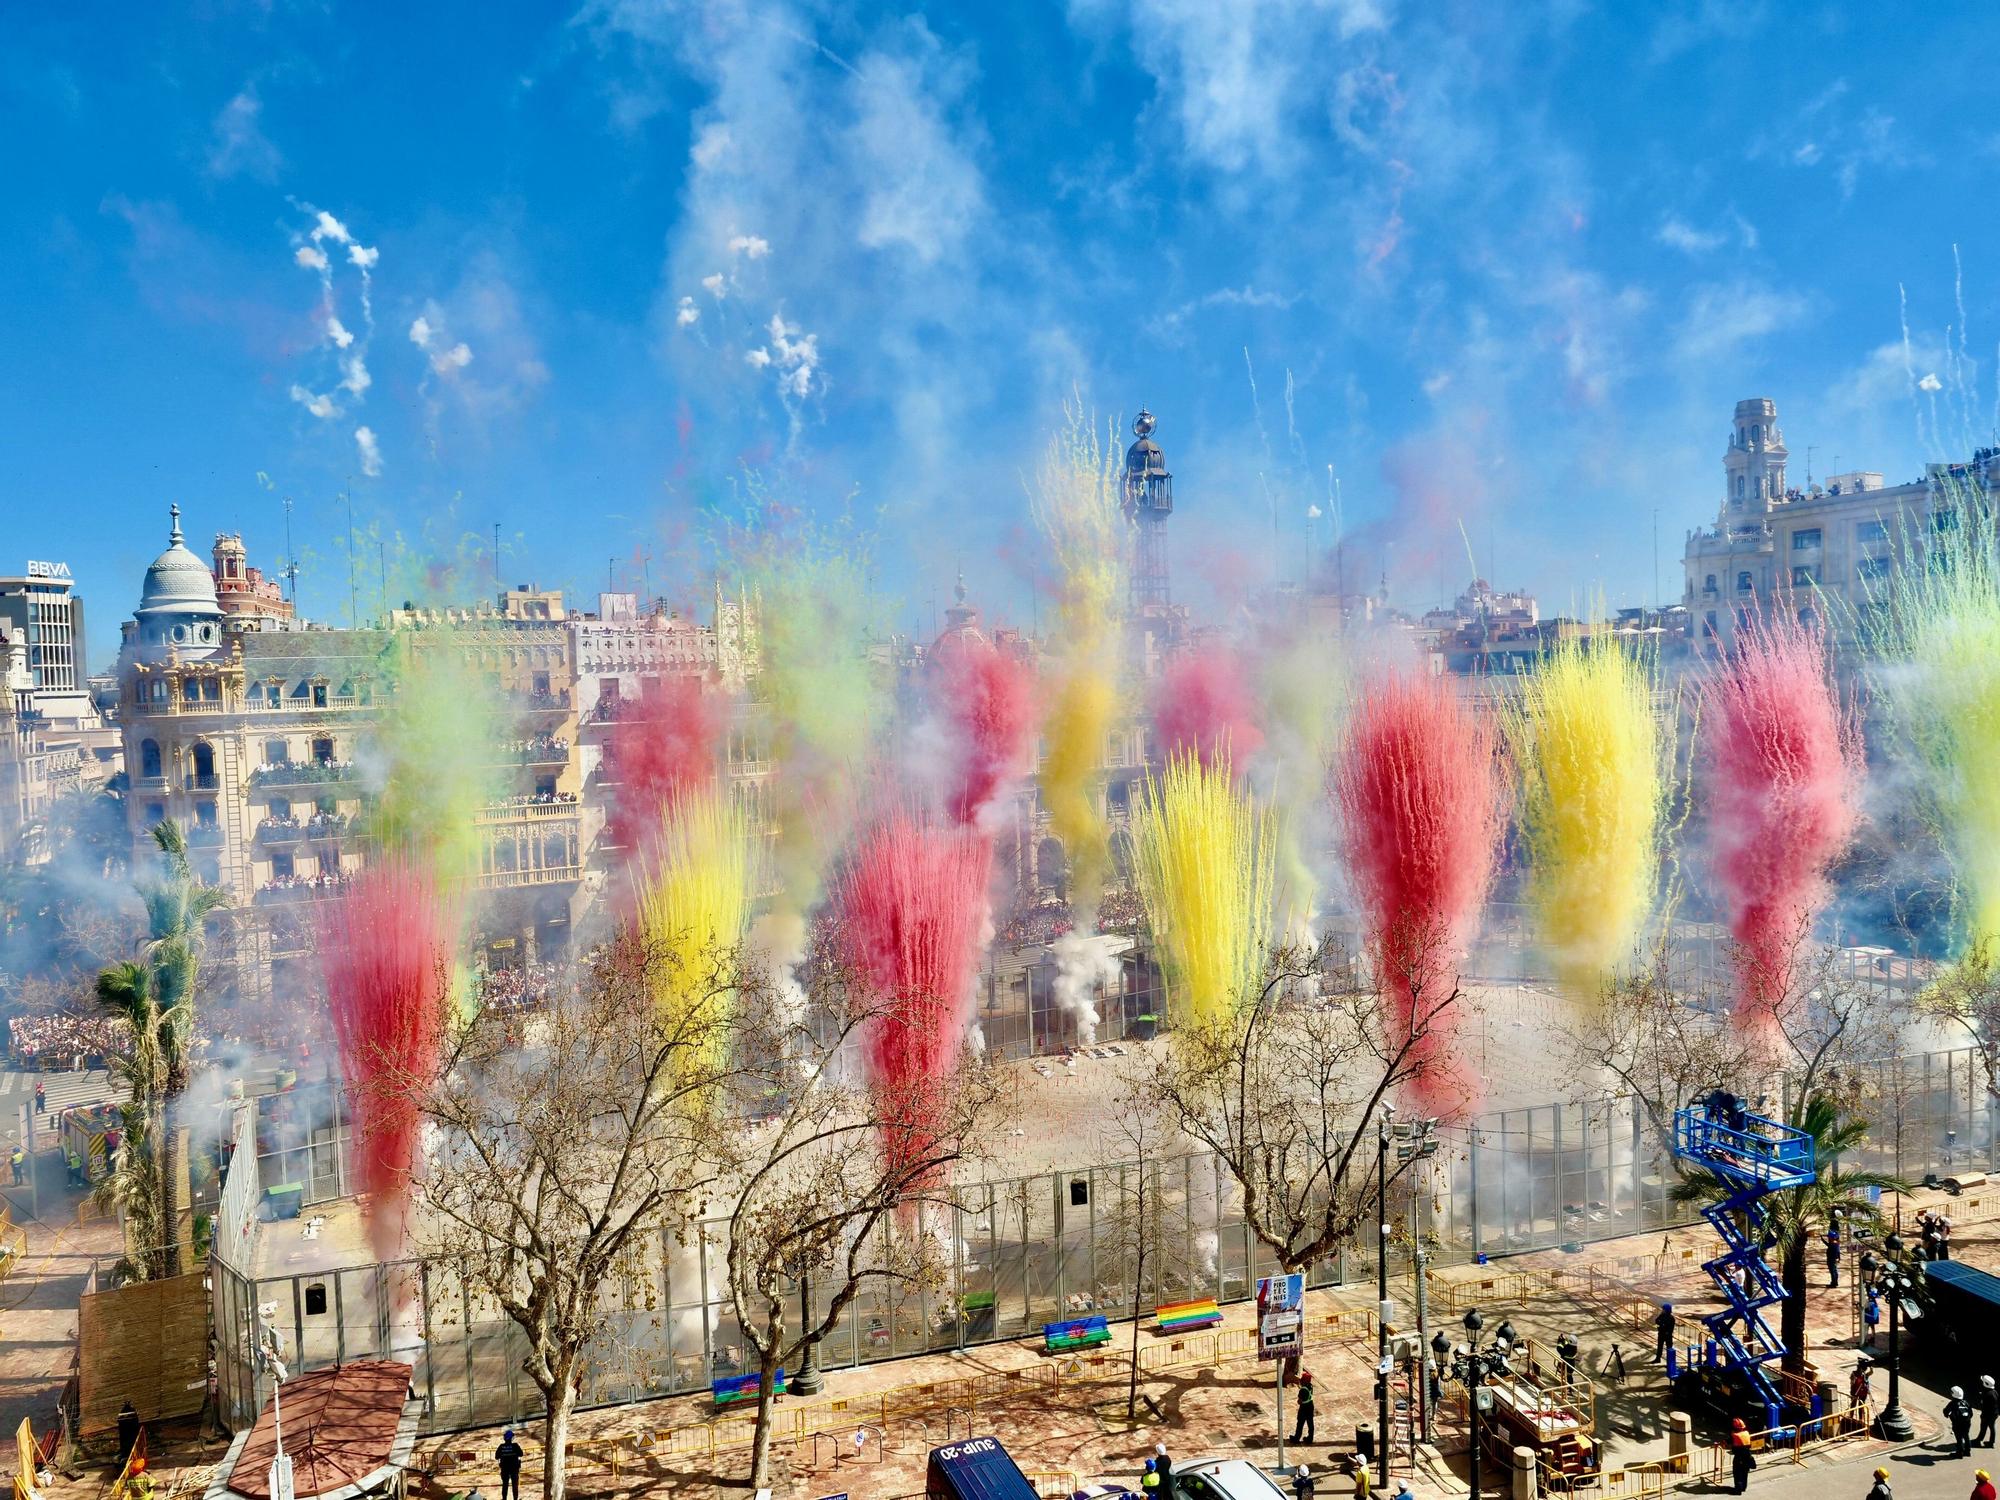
(1783, 766)
(1204, 704)
(662, 745)
(1422, 802)
(913, 904)
(385, 950)
(988, 700)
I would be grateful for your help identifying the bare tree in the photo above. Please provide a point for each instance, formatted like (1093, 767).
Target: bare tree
(1967, 994)
(557, 1151)
(844, 1187)
(1131, 1225)
(1287, 1090)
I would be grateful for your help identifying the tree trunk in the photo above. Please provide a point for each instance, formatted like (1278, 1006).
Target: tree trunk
(1138, 1282)
(760, 1448)
(555, 1435)
(170, 1192)
(1792, 1318)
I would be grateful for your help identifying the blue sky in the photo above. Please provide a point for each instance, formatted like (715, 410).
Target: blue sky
(1508, 265)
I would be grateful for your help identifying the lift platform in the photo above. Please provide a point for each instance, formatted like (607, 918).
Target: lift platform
(1755, 1157)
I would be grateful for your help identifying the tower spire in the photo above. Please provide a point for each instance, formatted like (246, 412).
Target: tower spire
(1149, 500)
(174, 537)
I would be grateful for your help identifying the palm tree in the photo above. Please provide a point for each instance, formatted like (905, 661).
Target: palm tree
(156, 995)
(1795, 1217)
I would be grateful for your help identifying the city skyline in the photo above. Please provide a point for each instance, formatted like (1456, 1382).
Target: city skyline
(628, 259)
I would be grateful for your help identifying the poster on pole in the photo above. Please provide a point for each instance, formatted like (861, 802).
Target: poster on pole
(1281, 1315)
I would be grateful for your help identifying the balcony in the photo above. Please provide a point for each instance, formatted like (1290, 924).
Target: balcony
(536, 809)
(204, 836)
(555, 701)
(301, 830)
(203, 781)
(284, 890)
(302, 773)
(536, 750)
(499, 880)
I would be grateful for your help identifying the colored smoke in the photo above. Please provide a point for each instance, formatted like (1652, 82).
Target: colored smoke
(693, 902)
(988, 703)
(1936, 637)
(1203, 860)
(385, 951)
(662, 747)
(1204, 705)
(430, 756)
(1422, 805)
(1783, 765)
(913, 909)
(1590, 751)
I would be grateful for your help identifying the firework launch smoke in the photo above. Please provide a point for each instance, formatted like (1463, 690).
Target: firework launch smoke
(986, 700)
(663, 748)
(429, 757)
(1784, 764)
(1936, 635)
(1202, 855)
(385, 951)
(1076, 498)
(913, 908)
(1422, 806)
(1591, 754)
(693, 901)
(1205, 705)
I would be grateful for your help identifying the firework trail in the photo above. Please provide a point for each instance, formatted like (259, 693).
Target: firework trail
(1935, 638)
(1783, 763)
(662, 748)
(1591, 754)
(913, 907)
(385, 951)
(1203, 859)
(1422, 803)
(1076, 499)
(691, 908)
(1204, 705)
(987, 701)
(429, 757)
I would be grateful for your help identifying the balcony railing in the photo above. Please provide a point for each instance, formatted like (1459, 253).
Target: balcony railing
(299, 830)
(554, 701)
(492, 880)
(203, 781)
(288, 889)
(204, 836)
(526, 809)
(302, 773)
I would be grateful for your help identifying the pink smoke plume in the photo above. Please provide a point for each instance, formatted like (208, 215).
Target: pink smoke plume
(662, 745)
(913, 904)
(385, 952)
(1422, 800)
(1784, 766)
(1204, 704)
(988, 701)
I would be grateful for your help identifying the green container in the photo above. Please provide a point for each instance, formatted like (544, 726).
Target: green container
(285, 1199)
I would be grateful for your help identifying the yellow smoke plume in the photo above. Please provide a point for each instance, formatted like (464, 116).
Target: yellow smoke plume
(693, 903)
(1204, 856)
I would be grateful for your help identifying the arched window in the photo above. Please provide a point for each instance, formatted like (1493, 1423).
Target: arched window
(1756, 434)
(1709, 586)
(555, 852)
(204, 762)
(190, 690)
(1743, 583)
(323, 751)
(149, 758)
(1739, 486)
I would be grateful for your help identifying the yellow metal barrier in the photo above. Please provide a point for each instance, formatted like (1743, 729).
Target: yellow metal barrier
(1055, 1483)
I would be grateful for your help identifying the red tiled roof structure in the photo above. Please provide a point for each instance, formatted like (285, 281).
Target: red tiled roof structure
(340, 1429)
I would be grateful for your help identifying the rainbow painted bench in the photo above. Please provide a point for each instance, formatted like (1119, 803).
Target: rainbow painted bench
(728, 1388)
(1075, 1333)
(1186, 1317)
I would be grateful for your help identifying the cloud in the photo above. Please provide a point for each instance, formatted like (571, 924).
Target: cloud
(420, 332)
(1831, 130)
(482, 361)
(237, 146)
(749, 246)
(355, 378)
(457, 357)
(311, 257)
(687, 314)
(714, 284)
(1678, 234)
(1930, 382)
(1723, 317)
(363, 256)
(327, 227)
(1246, 296)
(337, 331)
(922, 190)
(322, 407)
(758, 359)
(370, 451)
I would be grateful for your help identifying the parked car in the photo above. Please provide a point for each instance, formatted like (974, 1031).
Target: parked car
(1225, 1479)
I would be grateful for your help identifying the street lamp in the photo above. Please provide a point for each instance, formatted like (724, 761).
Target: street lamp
(1893, 1424)
(1382, 1284)
(809, 1381)
(1474, 1366)
(268, 1350)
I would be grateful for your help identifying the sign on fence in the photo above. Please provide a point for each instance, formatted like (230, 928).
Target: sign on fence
(1281, 1315)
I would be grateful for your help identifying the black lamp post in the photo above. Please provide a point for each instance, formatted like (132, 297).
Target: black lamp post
(1893, 1424)
(1475, 1365)
(808, 1381)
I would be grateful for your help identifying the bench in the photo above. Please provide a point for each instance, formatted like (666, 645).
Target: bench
(1075, 1333)
(728, 1388)
(1186, 1317)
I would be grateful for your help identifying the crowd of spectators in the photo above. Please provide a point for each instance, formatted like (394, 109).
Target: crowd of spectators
(291, 772)
(62, 1038)
(538, 747)
(301, 887)
(318, 825)
(534, 799)
(525, 988)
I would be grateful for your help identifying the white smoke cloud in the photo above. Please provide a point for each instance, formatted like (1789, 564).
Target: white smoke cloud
(797, 358)
(320, 406)
(750, 246)
(1084, 964)
(420, 333)
(758, 359)
(715, 285)
(327, 227)
(337, 331)
(363, 256)
(457, 357)
(355, 378)
(311, 257)
(1930, 383)
(687, 314)
(370, 450)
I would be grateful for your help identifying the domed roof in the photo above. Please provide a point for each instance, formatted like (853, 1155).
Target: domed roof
(961, 636)
(178, 582)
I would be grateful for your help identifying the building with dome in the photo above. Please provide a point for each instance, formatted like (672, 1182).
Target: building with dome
(179, 613)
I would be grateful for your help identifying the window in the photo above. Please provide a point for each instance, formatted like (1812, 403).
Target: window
(1805, 541)
(156, 813)
(281, 808)
(204, 763)
(1872, 567)
(1739, 486)
(204, 815)
(1804, 576)
(1708, 585)
(1708, 625)
(1808, 617)
(1871, 531)
(276, 752)
(319, 695)
(1756, 433)
(282, 867)
(545, 786)
(211, 689)
(1743, 583)
(323, 751)
(1944, 520)
(149, 759)
(190, 690)
(1745, 618)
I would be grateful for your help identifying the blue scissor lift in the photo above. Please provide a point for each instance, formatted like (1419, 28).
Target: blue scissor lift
(1756, 1157)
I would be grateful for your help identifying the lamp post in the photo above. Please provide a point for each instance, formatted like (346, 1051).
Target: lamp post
(1382, 1286)
(1893, 1423)
(1474, 1365)
(269, 1351)
(809, 1381)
